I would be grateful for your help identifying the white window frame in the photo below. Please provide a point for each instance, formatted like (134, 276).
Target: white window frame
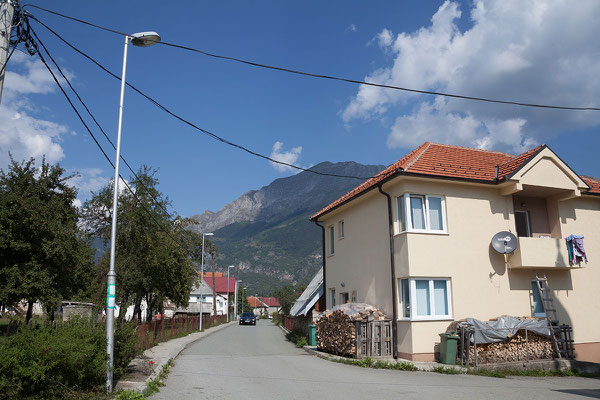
(408, 218)
(345, 295)
(332, 297)
(354, 296)
(331, 239)
(412, 284)
(341, 229)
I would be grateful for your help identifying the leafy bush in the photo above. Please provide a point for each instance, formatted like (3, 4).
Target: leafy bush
(52, 361)
(301, 342)
(277, 319)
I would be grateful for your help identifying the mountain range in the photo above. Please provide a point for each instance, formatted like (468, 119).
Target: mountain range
(267, 234)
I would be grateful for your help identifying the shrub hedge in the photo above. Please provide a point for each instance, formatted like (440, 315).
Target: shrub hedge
(46, 361)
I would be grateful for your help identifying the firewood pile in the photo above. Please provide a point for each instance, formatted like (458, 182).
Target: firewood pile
(336, 331)
(514, 349)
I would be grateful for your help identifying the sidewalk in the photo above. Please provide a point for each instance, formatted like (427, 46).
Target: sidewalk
(148, 366)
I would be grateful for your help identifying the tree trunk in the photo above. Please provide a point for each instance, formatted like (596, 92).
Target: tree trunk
(123, 309)
(50, 312)
(150, 309)
(214, 287)
(137, 311)
(29, 311)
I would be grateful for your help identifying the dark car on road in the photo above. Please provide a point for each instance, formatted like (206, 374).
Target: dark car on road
(248, 318)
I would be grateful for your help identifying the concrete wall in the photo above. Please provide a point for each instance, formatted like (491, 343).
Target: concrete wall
(362, 258)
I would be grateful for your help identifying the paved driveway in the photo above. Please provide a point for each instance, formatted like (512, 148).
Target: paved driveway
(256, 362)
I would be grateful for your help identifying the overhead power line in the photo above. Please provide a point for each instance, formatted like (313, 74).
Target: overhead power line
(162, 207)
(134, 194)
(336, 78)
(191, 124)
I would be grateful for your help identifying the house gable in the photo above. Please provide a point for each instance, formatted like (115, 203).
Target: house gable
(547, 170)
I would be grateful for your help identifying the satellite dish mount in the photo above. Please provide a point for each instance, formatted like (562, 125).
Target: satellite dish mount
(505, 243)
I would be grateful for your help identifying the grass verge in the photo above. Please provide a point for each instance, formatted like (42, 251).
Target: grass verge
(155, 384)
(379, 364)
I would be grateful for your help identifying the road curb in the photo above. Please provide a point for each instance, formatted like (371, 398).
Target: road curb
(161, 355)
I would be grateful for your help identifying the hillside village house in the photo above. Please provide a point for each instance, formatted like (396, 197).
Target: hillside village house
(264, 306)
(415, 242)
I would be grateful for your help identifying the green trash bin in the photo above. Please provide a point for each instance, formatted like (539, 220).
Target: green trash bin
(312, 335)
(448, 348)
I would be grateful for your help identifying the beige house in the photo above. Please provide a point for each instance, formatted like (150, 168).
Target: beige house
(415, 241)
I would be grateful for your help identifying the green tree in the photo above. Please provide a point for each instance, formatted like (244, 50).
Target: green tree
(152, 262)
(43, 255)
(243, 305)
(287, 295)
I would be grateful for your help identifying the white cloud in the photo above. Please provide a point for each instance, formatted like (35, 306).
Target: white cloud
(290, 157)
(385, 38)
(352, 28)
(534, 51)
(21, 132)
(434, 121)
(88, 180)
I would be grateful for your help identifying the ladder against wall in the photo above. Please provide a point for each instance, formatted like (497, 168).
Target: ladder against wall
(561, 334)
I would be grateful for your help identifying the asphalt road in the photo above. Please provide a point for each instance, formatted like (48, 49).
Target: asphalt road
(256, 362)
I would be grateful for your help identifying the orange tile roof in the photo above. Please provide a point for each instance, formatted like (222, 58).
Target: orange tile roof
(447, 161)
(593, 183)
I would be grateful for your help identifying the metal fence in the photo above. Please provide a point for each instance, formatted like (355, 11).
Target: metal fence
(149, 334)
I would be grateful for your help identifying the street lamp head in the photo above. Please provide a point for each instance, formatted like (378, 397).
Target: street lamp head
(145, 39)
(208, 234)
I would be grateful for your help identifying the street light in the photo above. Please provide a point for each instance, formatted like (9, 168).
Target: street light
(142, 39)
(235, 304)
(231, 266)
(202, 278)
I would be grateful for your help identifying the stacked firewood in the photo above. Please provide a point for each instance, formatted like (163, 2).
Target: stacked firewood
(336, 334)
(515, 348)
(336, 330)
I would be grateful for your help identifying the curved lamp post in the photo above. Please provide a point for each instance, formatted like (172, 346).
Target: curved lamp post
(142, 39)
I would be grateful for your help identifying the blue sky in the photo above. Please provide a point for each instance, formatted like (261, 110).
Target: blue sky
(534, 52)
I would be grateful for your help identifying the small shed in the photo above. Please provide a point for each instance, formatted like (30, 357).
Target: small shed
(70, 309)
(306, 307)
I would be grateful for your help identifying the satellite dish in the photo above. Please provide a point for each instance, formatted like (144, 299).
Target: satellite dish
(504, 242)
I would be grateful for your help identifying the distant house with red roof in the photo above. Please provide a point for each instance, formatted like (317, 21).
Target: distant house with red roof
(264, 305)
(221, 285)
(415, 241)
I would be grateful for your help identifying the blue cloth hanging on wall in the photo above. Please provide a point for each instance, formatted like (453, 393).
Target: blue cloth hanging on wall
(576, 250)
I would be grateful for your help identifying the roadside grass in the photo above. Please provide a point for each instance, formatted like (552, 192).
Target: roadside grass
(129, 395)
(155, 384)
(504, 373)
(296, 337)
(369, 363)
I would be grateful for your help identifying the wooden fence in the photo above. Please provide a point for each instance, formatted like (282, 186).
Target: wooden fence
(288, 323)
(373, 339)
(149, 334)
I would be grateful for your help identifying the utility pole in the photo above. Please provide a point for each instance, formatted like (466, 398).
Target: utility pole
(235, 304)
(7, 10)
(212, 256)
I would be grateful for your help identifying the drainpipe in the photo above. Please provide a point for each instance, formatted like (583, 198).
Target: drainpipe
(324, 261)
(393, 272)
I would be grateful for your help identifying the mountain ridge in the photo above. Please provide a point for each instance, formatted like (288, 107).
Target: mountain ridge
(267, 232)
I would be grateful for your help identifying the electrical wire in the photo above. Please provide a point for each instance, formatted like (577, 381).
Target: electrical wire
(187, 122)
(6, 63)
(158, 203)
(331, 77)
(134, 194)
